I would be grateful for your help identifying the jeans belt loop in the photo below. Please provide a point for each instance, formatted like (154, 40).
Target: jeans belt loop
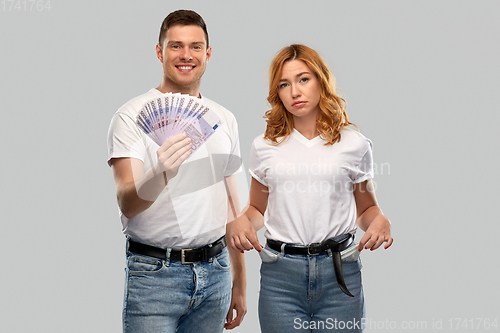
(283, 249)
(167, 256)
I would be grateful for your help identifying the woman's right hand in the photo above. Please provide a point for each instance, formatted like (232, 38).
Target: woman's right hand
(241, 235)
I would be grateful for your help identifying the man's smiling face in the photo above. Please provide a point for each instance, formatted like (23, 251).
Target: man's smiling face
(184, 56)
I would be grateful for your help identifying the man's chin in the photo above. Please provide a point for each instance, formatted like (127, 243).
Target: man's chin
(187, 82)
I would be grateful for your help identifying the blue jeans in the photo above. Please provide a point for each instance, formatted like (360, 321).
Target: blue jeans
(299, 293)
(168, 296)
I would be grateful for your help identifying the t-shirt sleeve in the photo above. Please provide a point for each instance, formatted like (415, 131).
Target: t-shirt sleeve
(234, 164)
(124, 138)
(257, 168)
(364, 170)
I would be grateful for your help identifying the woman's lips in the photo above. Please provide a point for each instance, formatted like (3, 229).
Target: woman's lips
(298, 104)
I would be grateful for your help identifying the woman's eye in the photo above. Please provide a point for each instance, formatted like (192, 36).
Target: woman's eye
(283, 85)
(304, 79)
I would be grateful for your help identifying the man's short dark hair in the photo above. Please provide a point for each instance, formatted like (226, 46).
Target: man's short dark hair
(182, 17)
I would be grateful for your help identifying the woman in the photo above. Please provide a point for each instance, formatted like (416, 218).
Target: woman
(311, 175)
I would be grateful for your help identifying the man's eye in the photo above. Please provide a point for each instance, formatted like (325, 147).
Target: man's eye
(175, 46)
(197, 47)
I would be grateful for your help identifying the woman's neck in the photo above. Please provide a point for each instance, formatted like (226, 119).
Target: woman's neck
(306, 127)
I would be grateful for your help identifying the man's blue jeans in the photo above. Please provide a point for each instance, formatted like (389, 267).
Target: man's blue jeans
(168, 296)
(299, 293)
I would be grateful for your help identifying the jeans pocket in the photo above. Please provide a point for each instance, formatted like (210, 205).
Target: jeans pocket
(143, 265)
(222, 261)
(268, 256)
(351, 254)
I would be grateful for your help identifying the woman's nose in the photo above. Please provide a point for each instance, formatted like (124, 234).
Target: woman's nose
(295, 91)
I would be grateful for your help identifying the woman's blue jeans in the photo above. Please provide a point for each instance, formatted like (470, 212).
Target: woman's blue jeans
(299, 293)
(168, 296)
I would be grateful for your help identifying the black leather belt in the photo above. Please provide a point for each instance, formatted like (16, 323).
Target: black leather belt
(185, 256)
(317, 248)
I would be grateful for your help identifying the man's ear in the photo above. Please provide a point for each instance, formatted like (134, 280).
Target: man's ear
(209, 53)
(159, 53)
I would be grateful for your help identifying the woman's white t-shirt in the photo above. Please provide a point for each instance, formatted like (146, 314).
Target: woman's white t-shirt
(310, 184)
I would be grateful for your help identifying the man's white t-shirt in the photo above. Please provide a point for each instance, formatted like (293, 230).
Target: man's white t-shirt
(310, 184)
(192, 209)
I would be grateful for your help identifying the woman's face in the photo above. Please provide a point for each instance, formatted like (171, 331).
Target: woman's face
(299, 90)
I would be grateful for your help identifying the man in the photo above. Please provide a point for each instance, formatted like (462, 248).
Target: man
(174, 209)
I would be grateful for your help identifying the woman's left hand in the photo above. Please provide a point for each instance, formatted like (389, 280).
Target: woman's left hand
(371, 220)
(378, 232)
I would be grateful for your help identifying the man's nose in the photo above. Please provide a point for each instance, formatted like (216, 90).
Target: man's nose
(186, 54)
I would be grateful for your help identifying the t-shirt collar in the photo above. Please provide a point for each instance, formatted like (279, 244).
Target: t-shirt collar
(309, 143)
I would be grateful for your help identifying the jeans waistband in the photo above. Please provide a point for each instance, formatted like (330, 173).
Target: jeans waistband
(186, 256)
(317, 248)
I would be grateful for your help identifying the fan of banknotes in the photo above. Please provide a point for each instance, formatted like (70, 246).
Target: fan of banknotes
(171, 114)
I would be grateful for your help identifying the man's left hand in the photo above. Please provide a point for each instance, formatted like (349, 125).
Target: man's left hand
(238, 304)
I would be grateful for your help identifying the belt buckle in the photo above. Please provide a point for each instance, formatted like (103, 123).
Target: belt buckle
(309, 249)
(183, 257)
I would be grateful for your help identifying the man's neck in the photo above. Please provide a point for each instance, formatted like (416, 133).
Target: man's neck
(192, 91)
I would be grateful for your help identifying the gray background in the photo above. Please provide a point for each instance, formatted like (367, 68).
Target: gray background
(419, 78)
